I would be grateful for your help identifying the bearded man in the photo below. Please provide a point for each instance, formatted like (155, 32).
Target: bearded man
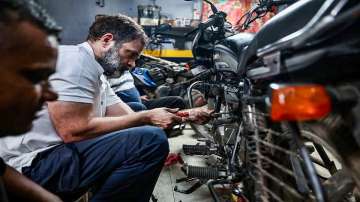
(88, 137)
(78, 140)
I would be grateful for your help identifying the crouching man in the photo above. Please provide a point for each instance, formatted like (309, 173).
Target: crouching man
(89, 138)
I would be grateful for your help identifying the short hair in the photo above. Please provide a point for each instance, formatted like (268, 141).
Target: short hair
(27, 10)
(123, 28)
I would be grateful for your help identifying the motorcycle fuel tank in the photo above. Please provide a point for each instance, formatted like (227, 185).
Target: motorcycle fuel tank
(227, 52)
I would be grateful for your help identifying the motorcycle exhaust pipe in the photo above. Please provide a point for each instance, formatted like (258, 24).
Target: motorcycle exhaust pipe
(189, 92)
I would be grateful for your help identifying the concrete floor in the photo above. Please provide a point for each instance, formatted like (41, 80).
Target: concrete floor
(164, 189)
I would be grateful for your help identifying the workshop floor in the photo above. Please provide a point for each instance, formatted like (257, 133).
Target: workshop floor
(164, 189)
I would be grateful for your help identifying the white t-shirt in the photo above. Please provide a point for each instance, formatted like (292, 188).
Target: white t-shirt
(78, 78)
(123, 82)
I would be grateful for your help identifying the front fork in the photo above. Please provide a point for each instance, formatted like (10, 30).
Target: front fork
(309, 167)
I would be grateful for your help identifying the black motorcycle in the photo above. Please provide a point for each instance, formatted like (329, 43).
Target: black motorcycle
(157, 77)
(286, 103)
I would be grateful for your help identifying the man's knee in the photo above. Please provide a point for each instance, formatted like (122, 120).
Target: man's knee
(137, 106)
(157, 136)
(172, 102)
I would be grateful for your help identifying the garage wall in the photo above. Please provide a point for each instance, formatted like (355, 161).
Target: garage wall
(76, 16)
(172, 8)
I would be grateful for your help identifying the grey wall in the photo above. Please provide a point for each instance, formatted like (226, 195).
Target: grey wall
(172, 8)
(75, 16)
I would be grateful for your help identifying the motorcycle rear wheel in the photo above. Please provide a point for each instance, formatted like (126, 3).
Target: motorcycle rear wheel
(337, 181)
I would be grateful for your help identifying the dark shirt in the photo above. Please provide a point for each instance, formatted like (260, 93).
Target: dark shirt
(2, 167)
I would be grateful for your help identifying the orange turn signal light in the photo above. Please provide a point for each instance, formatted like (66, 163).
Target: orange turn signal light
(299, 102)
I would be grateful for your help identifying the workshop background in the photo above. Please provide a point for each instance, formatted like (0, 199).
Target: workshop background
(261, 88)
(76, 16)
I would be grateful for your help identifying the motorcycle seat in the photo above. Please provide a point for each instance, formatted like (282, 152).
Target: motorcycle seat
(284, 23)
(287, 21)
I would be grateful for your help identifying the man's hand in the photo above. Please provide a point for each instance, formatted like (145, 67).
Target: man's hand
(199, 115)
(145, 98)
(163, 117)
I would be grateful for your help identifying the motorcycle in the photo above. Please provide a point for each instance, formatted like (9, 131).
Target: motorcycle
(156, 77)
(286, 109)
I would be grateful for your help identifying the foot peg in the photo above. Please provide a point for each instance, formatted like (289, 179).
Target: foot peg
(203, 172)
(200, 175)
(191, 189)
(198, 150)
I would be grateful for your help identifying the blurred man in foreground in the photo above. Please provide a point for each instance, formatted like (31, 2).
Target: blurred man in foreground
(27, 57)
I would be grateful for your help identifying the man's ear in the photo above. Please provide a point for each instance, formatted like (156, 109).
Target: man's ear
(107, 40)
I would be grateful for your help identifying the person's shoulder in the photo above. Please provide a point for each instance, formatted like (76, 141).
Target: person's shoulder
(69, 59)
(118, 77)
(68, 48)
(77, 63)
(74, 51)
(69, 54)
(74, 55)
(2, 167)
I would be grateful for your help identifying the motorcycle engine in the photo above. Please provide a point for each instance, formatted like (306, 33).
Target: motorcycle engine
(162, 91)
(158, 75)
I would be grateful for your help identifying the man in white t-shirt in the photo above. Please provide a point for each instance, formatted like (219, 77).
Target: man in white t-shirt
(88, 137)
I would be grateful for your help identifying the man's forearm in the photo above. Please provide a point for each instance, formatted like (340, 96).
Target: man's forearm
(98, 126)
(76, 122)
(24, 189)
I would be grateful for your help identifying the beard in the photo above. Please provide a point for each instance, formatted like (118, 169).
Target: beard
(111, 62)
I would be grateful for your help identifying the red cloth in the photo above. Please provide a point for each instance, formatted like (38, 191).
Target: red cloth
(173, 159)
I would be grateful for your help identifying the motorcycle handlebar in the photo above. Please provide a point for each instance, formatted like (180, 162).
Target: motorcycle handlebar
(210, 22)
(213, 20)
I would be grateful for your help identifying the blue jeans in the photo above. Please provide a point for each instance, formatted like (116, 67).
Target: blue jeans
(129, 95)
(137, 106)
(120, 166)
(132, 98)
